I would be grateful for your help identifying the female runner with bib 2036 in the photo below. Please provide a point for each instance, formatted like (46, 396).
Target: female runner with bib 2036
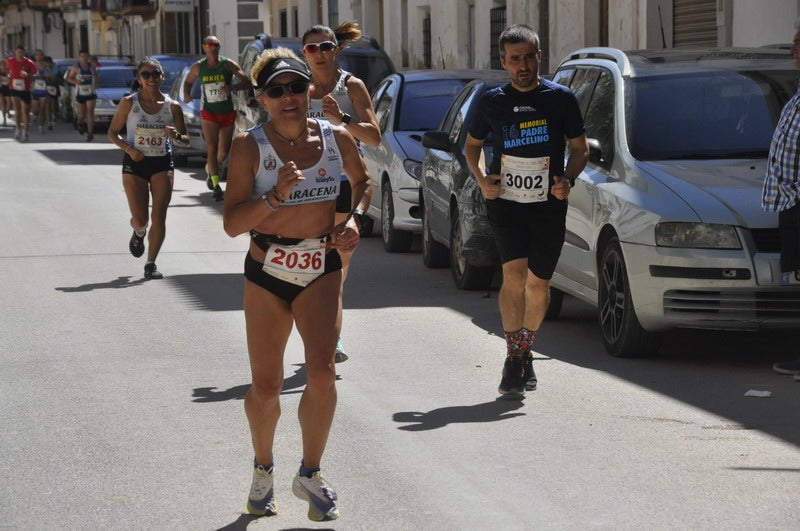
(283, 181)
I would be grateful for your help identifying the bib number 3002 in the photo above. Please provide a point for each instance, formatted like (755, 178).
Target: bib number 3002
(299, 264)
(525, 180)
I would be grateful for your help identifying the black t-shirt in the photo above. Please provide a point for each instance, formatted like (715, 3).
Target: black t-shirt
(529, 124)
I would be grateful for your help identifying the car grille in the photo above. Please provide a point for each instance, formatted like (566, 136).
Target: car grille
(766, 240)
(774, 306)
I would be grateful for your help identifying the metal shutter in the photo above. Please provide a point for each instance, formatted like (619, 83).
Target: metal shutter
(695, 23)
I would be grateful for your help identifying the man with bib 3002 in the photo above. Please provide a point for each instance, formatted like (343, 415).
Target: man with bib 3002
(526, 186)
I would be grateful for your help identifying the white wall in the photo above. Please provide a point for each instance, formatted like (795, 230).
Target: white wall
(765, 22)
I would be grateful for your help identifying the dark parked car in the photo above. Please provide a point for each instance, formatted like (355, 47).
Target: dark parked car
(407, 104)
(664, 226)
(364, 58)
(454, 226)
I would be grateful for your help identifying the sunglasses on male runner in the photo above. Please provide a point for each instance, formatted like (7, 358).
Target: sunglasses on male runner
(211, 44)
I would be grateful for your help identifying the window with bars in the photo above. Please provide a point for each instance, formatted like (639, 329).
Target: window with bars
(333, 13)
(426, 41)
(497, 21)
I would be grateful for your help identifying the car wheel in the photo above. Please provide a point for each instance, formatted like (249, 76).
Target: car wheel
(554, 307)
(434, 254)
(465, 275)
(394, 241)
(622, 334)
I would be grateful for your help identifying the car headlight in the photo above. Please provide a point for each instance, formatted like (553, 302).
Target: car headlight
(413, 167)
(697, 235)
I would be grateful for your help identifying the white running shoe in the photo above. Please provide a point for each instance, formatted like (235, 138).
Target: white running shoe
(319, 494)
(17, 134)
(261, 501)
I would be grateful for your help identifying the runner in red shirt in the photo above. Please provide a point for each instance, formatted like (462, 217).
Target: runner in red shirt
(20, 68)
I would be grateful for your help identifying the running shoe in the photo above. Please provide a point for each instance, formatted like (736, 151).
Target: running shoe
(261, 501)
(136, 245)
(81, 128)
(528, 374)
(17, 133)
(41, 130)
(219, 195)
(50, 126)
(90, 137)
(787, 367)
(25, 136)
(319, 494)
(151, 272)
(513, 381)
(340, 353)
(209, 182)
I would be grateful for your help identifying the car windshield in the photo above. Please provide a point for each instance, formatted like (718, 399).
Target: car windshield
(707, 115)
(425, 103)
(116, 78)
(172, 68)
(371, 69)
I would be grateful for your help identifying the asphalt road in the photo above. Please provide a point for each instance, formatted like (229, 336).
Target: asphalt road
(121, 399)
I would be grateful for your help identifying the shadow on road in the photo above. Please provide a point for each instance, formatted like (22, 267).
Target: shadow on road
(499, 409)
(119, 282)
(291, 385)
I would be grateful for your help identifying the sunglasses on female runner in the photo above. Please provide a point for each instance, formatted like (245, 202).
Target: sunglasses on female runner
(147, 74)
(314, 47)
(277, 91)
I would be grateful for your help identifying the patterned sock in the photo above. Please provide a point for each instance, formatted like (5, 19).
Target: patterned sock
(526, 339)
(513, 340)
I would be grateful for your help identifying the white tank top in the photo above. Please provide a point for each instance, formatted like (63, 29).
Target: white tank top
(341, 96)
(146, 132)
(321, 180)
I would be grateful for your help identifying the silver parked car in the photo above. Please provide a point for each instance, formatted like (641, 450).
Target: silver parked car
(664, 226)
(407, 104)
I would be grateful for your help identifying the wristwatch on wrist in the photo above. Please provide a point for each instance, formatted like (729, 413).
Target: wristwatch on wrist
(346, 119)
(357, 214)
(571, 180)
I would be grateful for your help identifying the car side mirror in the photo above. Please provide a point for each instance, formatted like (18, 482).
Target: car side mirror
(437, 140)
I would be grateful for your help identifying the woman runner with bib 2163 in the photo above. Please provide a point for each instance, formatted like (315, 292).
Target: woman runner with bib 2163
(153, 122)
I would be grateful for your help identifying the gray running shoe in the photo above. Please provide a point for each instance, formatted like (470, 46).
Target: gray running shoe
(319, 494)
(261, 501)
(151, 272)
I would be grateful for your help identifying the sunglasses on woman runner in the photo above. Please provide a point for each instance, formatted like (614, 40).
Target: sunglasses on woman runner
(277, 91)
(147, 74)
(314, 47)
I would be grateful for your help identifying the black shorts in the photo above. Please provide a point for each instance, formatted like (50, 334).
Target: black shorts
(147, 167)
(4, 90)
(84, 99)
(789, 229)
(345, 198)
(24, 95)
(285, 290)
(535, 232)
